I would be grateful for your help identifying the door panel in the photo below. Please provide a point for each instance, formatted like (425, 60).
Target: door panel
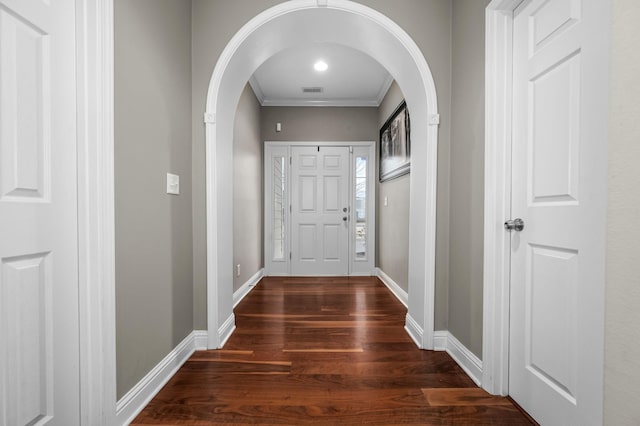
(331, 247)
(559, 171)
(333, 199)
(552, 287)
(38, 220)
(27, 284)
(25, 78)
(308, 239)
(308, 194)
(320, 195)
(554, 139)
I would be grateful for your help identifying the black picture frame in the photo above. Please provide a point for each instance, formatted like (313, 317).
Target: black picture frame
(395, 145)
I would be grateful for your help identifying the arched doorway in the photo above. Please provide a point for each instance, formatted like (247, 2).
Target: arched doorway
(291, 24)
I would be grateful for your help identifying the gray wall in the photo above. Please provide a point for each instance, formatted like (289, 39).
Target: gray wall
(622, 333)
(247, 189)
(428, 22)
(467, 174)
(392, 243)
(214, 23)
(319, 124)
(154, 284)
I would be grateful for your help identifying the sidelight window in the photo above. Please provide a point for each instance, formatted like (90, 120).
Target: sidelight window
(278, 214)
(360, 208)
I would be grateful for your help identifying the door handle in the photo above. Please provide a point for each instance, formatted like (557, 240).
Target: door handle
(345, 218)
(514, 225)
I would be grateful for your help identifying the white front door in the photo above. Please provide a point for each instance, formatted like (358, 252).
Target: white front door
(559, 190)
(320, 210)
(39, 347)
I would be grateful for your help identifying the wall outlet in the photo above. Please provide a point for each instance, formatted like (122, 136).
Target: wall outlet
(238, 270)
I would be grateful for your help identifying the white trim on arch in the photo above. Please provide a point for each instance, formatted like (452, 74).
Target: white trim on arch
(234, 68)
(497, 189)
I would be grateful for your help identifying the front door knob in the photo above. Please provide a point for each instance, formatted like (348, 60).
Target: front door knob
(514, 225)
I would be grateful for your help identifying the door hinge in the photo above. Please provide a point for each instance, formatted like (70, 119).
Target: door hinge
(290, 209)
(289, 160)
(290, 256)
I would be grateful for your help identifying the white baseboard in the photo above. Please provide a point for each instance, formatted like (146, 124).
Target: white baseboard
(242, 292)
(132, 403)
(471, 364)
(414, 330)
(201, 339)
(440, 340)
(226, 330)
(398, 292)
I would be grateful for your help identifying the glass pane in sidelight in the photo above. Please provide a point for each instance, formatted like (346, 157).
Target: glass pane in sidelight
(360, 209)
(278, 225)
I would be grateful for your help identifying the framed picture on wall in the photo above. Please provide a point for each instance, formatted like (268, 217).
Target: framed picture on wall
(395, 145)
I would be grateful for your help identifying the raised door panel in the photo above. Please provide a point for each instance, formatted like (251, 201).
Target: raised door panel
(551, 318)
(333, 198)
(26, 333)
(307, 194)
(551, 19)
(554, 132)
(332, 247)
(307, 242)
(24, 109)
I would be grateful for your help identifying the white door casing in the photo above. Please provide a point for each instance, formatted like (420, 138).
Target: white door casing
(39, 359)
(320, 210)
(559, 188)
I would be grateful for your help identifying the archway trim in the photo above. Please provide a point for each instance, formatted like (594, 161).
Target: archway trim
(425, 120)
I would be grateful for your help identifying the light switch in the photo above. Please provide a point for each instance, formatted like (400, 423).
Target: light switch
(173, 184)
(278, 127)
(386, 202)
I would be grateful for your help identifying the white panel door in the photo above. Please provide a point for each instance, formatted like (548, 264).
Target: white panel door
(39, 379)
(320, 210)
(559, 190)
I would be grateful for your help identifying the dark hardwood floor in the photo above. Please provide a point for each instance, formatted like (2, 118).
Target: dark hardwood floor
(323, 351)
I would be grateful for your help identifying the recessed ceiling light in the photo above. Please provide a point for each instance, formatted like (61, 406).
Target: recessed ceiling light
(321, 66)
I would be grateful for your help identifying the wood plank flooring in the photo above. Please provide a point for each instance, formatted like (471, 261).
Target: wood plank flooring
(328, 351)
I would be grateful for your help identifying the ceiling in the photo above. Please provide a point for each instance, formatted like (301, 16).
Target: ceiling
(352, 79)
